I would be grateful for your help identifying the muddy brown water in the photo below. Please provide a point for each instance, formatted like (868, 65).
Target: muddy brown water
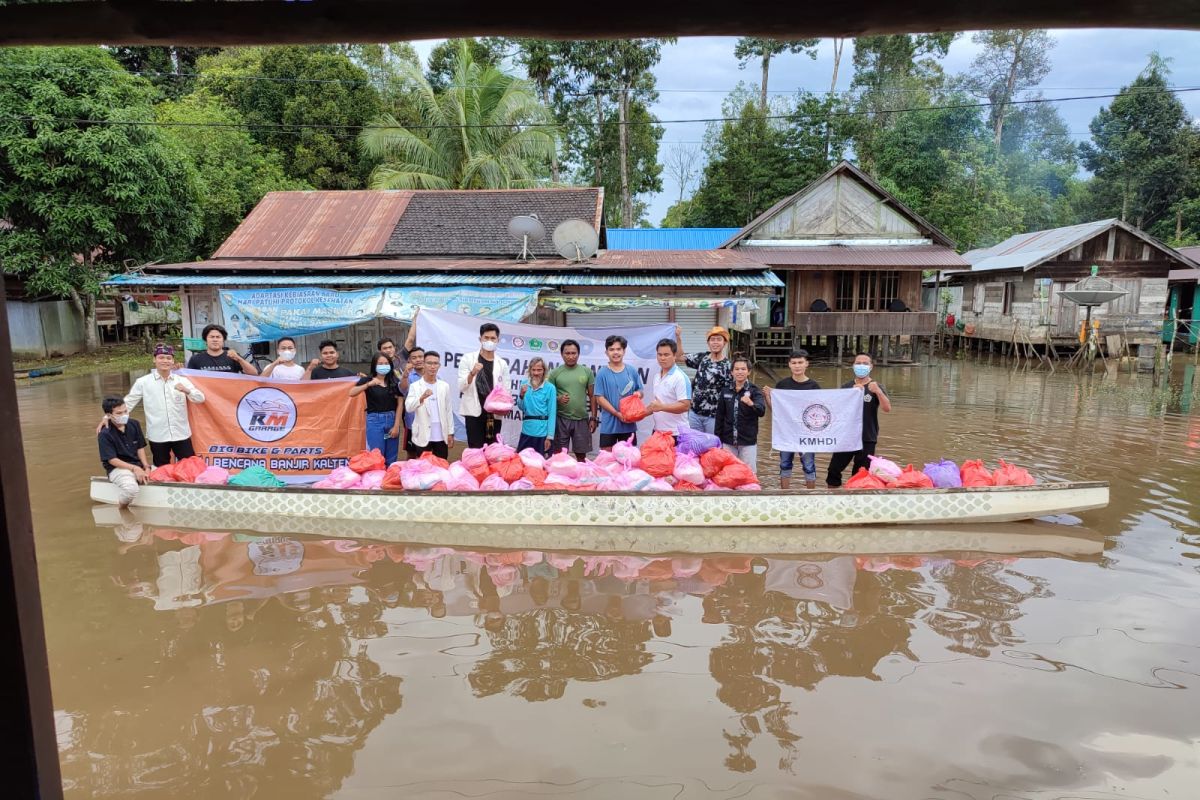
(227, 664)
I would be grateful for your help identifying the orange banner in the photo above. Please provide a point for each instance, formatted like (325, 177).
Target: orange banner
(293, 428)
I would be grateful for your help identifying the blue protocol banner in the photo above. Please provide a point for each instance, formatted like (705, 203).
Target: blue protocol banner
(259, 315)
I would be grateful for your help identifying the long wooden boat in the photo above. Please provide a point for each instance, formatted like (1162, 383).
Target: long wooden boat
(1026, 539)
(818, 508)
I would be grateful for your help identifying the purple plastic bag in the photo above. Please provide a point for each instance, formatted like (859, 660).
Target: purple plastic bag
(695, 442)
(944, 474)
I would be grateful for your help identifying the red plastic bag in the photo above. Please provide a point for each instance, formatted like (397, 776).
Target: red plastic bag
(658, 454)
(684, 486)
(716, 460)
(391, 479)
(366, 461)
(432, 459)
(865, 480)
(632, 408)
(735, 475)
(512, 469)
(163, 474)
(911, 478)
(975, 474)
(1008, 475)
(190, 467)
(536, 476)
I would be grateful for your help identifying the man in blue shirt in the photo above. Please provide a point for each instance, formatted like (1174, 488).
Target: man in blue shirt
(614, 381)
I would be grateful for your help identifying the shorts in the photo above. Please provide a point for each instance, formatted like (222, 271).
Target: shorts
(607, 440)
(572, 434)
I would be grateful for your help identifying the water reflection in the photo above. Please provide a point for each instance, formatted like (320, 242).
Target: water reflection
(253, 663)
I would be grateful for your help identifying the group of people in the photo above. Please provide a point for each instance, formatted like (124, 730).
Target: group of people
(561, 409)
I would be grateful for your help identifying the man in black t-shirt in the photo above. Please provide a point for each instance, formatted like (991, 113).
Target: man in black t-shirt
(122, 450)
(874, 400)
(798, 365)
(326, 366)
(217, 357)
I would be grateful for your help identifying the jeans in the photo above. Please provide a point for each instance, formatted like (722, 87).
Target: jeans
(808, 462)
(379, 424)
(699, 423)
(747, 453)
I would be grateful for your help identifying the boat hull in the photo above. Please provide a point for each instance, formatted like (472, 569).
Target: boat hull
(822, 508)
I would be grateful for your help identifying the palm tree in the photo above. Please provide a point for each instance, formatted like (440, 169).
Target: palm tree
(486, 130)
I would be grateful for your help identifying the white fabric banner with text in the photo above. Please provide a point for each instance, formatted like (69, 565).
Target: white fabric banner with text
(816, 420)
(454, 335)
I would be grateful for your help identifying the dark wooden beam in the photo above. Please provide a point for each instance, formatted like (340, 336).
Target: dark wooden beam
(152, 22)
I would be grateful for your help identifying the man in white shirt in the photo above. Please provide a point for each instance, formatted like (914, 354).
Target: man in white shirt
(672, 391)
(284, 365)
(166, 396)
(429, 402)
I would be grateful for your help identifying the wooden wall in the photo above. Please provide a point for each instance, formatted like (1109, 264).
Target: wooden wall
(804, 286)
(839, 208)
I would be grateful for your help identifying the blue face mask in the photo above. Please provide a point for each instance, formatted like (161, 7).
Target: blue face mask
(862, 370)
(383, 369)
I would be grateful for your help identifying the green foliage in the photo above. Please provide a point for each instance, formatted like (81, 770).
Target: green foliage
(749, 48)
(309, 109)
(678, 215)
(489, 51)
(233, 171)
(1010, 61)
(486, 131)
(176, 66)
(85, 198)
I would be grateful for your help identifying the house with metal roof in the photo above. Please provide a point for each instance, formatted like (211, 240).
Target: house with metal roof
(1014, 289)
(851, 256)
(425, 238)
(1183, 302)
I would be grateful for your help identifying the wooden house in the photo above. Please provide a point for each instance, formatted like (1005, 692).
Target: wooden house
(1013, 290)
(1183, 303)
(851, 256)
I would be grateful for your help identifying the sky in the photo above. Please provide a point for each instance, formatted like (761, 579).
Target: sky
(696, 74)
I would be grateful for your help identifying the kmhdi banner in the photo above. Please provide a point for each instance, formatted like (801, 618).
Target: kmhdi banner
(816, 420)
(455, 335)
(296, 429)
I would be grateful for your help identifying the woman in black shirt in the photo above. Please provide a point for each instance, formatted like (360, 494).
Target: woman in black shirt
(383, 407)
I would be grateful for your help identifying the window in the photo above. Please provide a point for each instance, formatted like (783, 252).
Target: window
(977, 299)
(868, 289)
(845, 292)
(1006, 305)
(889, 288)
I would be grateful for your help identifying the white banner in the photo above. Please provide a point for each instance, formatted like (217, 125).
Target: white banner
(816, 420)
(454, 335)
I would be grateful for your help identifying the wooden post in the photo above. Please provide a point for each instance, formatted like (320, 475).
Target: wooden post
(887, 346)
(839, 349)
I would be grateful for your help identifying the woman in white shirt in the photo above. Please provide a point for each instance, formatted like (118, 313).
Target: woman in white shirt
(429, 402)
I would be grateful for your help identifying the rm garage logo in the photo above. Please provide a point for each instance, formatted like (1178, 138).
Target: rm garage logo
(266, 415)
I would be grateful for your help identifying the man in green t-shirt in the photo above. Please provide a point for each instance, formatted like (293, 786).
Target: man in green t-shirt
(574, 384)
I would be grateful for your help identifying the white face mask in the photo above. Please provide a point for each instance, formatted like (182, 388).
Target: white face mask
(489, 346)
(120, 419)
(287, 355)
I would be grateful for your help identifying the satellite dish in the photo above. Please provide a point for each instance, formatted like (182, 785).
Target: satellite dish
(527, 228)
(576, 240)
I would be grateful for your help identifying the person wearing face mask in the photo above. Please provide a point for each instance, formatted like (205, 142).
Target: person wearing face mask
(383, 407)
(284, 365)
(123, 451)
(478, 374)
(875, 399)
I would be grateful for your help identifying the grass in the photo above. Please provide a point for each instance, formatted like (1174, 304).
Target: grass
(109, 358)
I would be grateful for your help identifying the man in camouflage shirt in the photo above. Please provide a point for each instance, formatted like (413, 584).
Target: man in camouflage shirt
(713, 376)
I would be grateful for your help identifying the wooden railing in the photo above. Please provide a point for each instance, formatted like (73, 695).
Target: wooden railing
(865, 323)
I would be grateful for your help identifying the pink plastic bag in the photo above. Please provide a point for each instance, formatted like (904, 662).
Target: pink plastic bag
(590, 472)
(627, 453)
(687, 468)
(217, 476)
(563, 464)
(617, 483)
(658, 485)
(605, 459)
(460, 479)
(638, 479)
(372, 479)
(532, 459)
(473, 458)
(749, 487)
(493, 483)
(324, 483)
(709, 486)
(417, 474)
(521, 484)
(498, 451)
(342, 478)
(499, 400)
(557, 481)
(884, 469)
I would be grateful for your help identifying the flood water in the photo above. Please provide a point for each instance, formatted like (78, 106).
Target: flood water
(1028, 660)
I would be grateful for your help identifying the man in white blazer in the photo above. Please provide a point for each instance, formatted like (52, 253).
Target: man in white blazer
(478, 374)
(428, 401)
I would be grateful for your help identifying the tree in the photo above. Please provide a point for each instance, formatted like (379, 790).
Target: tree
(683, 164)
(174, 67)
(1011, 60)
(486, 130)
(545, 66)
(489, 51)
(1141, 149)
(86, 182)
(233, 171)
(308, 106)
(753, 47)
(678, 214)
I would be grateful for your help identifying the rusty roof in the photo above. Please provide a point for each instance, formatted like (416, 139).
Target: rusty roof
(317, 224)
(924, 256)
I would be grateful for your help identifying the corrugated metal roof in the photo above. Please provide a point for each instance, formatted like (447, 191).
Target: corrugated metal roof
(317, 224)
(1185, 274)
(668, 238)
(1026, 250)
(764, 279)
(925, 256)
(1190, 253)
